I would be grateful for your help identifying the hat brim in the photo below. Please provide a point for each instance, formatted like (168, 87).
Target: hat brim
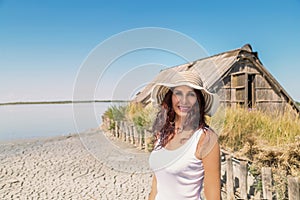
(161, 89)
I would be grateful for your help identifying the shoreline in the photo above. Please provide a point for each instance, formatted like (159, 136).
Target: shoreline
(75, 166)
(61, 102)
(35, 139)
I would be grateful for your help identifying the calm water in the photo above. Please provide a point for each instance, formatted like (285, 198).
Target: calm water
(44, 120)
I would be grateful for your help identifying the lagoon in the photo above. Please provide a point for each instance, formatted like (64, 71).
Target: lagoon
(27, 121)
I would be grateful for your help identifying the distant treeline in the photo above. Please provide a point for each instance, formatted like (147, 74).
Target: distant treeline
(60, 102)
(298, 103)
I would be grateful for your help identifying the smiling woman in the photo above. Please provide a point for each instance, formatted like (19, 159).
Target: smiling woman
(183, 99)
(185, 145)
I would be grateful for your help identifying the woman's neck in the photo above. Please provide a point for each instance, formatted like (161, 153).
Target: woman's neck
(179, 124)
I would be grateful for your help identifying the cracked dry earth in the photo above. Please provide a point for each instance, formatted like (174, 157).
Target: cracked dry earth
(73, 167)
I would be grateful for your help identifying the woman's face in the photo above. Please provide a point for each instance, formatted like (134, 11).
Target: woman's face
(183, 99)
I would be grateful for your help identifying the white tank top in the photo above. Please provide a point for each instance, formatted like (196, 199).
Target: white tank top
(178, 172)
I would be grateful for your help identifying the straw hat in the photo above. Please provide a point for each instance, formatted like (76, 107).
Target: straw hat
(188, 78)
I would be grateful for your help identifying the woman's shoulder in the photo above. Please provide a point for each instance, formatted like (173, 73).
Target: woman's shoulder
(210, 132)
(206, 133)
(206, 142)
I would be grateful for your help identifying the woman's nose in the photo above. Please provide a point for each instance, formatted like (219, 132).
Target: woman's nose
(183, 99)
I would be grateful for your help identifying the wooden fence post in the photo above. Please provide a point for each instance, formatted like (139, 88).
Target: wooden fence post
(132, 134)
(146, 140)
(140, 133)
(124, 131)
(120, 130)
(243, 180)
(294, 188)
(116, 134)
(127, 130)
(136, 137)
(110, 125)
(229, 178)
(266, 174)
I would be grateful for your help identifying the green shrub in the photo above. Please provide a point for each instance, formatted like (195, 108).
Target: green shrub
(141, 116)
(115, 113)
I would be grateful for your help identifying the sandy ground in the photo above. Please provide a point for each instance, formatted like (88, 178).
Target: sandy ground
(80, 166)
(85, 166)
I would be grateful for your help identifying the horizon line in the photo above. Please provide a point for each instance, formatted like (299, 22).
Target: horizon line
(62, 102)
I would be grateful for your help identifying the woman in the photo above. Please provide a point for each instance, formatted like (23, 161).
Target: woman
(185, 147)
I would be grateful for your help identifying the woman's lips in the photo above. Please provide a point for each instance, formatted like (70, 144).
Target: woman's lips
(184, 108)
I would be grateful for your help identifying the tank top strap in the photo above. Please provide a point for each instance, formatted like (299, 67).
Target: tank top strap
(206, 145)
(198, 133)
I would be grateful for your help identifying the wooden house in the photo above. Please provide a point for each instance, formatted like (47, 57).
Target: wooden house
(238, 77)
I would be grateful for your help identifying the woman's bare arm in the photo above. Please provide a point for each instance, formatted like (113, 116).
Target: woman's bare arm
(212, 177)
(153, 189)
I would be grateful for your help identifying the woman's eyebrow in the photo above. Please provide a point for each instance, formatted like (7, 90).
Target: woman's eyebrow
(176, 90)
(192, 92)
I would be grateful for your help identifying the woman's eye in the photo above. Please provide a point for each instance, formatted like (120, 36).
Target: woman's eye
(177, 93)
(192, 94)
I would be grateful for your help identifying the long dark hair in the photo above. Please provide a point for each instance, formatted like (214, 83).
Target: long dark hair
(164, 124)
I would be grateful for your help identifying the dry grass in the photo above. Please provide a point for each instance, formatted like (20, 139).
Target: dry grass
(265, 139)
(271, 138)
(242, 126)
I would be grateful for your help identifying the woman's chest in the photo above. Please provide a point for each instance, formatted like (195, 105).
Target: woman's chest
(178, 140)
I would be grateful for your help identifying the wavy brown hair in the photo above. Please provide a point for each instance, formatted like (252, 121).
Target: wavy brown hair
(164, 124)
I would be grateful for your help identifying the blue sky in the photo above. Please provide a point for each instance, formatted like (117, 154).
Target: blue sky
(43, 44)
